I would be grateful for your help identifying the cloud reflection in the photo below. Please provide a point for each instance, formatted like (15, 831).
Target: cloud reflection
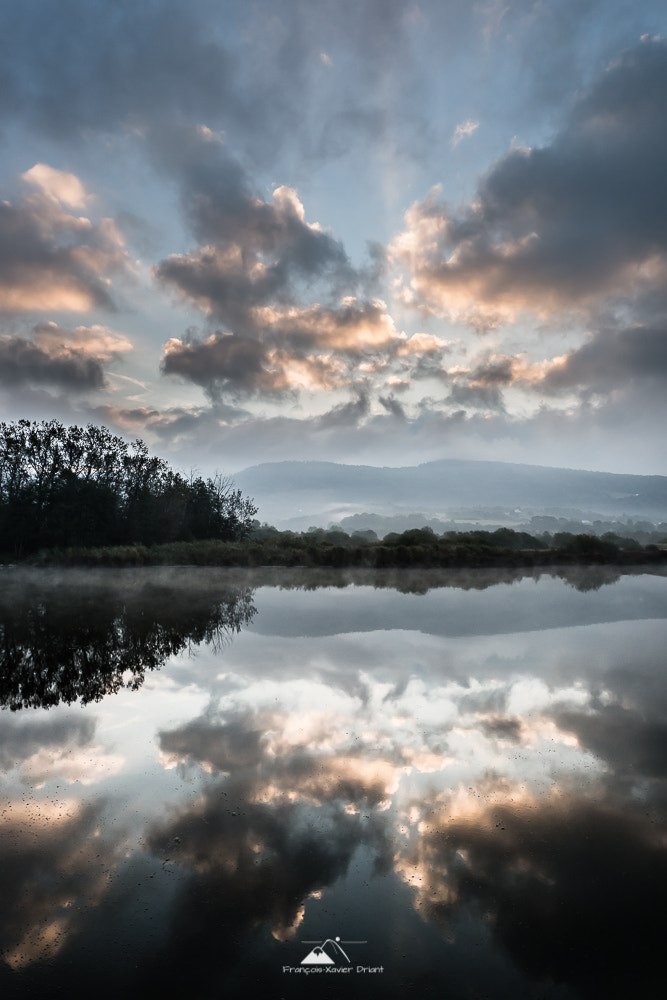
(563, 884)
(500, 802)
(54, 865)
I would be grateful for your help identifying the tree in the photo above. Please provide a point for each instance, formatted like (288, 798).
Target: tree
(67, 486)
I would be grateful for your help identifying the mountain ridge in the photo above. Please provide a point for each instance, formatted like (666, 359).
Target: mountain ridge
(298, 490)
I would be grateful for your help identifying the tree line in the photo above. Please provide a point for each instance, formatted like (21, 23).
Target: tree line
(84, 486)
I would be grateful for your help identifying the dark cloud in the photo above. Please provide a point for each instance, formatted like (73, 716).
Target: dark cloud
(22, 361)
(393, 406)
(224, 745)
(258, 269)
(345, 414)
(355, 328)
(87, 66)
(42, 913)
(610, 436)
(72, 360)
(481, 387)
(488, 397)
(611, 358)
(565, 890)
(628, 741)
(223, 361)
(237, 744)
(260, 71)
(493, 372)
(20, 739)
(52, 260)
(246, 863)
(503, 728)
(323, 77)
(565, 224)
(253, 252)
(178, 427)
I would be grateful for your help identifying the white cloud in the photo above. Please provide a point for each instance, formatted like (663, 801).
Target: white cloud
(464, 130)
(57, 184)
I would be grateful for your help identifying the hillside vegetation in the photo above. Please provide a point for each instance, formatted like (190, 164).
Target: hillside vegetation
(266, 546)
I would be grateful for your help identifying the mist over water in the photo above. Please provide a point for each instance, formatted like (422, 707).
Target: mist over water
(209, 774)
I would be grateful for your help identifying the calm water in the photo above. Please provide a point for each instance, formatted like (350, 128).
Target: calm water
(453, 789)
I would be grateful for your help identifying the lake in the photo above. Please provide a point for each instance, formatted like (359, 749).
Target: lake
(217, 783)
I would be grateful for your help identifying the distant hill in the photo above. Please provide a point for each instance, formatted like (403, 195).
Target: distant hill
(300, 494)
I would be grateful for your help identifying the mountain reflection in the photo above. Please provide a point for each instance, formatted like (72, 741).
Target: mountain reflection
(482, 812)
(82, 636)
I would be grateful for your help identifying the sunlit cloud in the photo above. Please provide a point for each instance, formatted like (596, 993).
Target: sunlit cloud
(54, 261)
(57, 184)
(558, 227)
(53, 356)
(464, 131)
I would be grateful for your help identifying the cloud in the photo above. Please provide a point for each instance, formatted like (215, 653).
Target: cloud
(38, 919)
(90, 68)
(276, 822)
(393, 406)
(464, 130)
(281, 762)
(611, 358)
(52, 260)
(632, 740)
(344, 415)
(20, 741)
(610, 435)
(251, 863)
(175, 427)
(551, 881)
(53, 356)
(25, 362)
(219, 745)
(566, 225)
(57, 184)
(486, 397)
(253, 252)
(221, 361)
(354, 328)
(258, 271)
(310, 348)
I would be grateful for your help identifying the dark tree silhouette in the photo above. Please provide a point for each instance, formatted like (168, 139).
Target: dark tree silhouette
(63, 486)
(81, 640)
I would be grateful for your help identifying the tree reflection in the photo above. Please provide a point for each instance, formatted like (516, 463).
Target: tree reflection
(81, 638)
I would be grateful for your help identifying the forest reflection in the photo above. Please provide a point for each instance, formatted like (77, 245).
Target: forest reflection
(469, 777)
(79, 637)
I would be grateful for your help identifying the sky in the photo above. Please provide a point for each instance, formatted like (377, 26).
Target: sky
(368, 231)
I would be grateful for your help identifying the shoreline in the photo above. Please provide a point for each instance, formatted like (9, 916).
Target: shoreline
(448, 554)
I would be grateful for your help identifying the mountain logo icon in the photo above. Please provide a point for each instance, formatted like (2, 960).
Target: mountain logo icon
(328, 952)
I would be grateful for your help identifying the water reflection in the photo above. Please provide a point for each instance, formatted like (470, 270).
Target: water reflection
(483, 810)
(77, 637)
(564, 885)
(55, 864)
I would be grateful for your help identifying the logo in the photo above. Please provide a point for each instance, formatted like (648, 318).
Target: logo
(328, 952)
(329, 957)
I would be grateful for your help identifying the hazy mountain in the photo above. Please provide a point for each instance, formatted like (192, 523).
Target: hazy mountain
(298, 494)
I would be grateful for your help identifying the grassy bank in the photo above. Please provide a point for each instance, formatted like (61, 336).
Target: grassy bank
(418, 548)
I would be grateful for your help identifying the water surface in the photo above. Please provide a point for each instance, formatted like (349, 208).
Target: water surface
(208, 776)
